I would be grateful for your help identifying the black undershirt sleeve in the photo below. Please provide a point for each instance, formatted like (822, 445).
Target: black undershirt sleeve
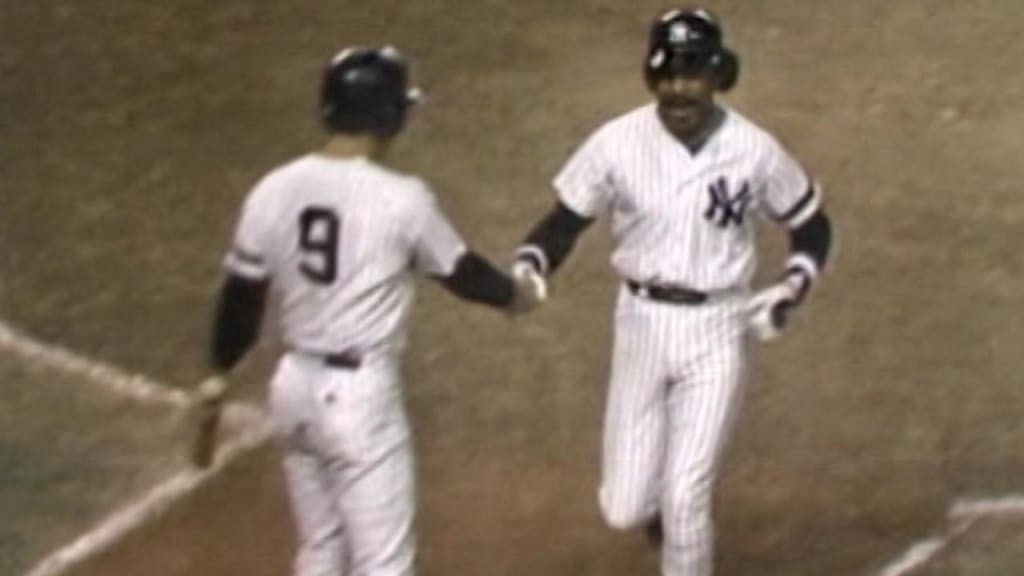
(477, 280)
(813, 238)
(237, 320)
(555, 235)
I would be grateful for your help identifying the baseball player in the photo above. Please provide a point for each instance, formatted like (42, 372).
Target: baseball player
(682, 179)
(338, 234)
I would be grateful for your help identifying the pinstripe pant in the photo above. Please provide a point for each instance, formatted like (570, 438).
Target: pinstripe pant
(349, 466)
(676, 382)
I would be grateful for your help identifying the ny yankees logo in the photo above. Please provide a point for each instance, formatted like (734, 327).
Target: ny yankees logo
(726, 209)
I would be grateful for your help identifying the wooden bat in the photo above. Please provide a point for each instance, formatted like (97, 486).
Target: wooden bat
(209, 408)
(204, 443)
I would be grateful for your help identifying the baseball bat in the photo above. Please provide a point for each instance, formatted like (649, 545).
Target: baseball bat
(208, 406)
(204, 443)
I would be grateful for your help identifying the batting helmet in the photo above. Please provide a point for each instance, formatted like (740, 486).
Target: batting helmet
(688, 42)
(366, 90)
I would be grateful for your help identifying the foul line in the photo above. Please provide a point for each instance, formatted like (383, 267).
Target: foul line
(960, 518)
(56, 357)
(980, 507)
(152, 505)
(252, 428)
(255, 431)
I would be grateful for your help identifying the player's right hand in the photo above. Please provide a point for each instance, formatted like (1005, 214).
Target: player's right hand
(531, 287)
(525, 273)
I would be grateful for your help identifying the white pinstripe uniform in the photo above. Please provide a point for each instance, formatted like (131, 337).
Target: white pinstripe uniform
(677, 370)
(338, 238)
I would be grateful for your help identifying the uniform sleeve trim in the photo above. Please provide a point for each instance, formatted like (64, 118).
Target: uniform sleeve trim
(534, 254)
(247, 257)
(566, 197)
(451, 265)
(804, 208)
(247, 269)
(803, 263)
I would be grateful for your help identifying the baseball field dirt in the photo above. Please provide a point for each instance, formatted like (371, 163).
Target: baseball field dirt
(129, 134)
(992, 547)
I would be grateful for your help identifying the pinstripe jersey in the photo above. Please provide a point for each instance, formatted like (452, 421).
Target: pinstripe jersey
(680, 218)
(339, 238)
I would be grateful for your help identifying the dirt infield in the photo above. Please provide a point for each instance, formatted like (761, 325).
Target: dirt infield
(992, 547)
(130, 134)
(70, 452)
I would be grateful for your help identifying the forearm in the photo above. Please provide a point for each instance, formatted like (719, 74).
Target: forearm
(476, 280)
(237, 320)
(809, 248)
(552, 239)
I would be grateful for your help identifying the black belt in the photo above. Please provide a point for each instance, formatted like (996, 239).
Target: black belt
(669, 294)
(345, 360)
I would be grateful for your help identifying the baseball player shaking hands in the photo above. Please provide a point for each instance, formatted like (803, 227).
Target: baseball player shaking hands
(682, 179)
(339, 235)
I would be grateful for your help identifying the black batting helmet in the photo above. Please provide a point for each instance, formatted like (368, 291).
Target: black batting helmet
(366, 90)
(686, 42)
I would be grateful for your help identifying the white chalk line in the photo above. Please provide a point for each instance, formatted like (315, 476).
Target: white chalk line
(149, 507)
(1009, 505)
(253, 431)
(960, 518)
(924, 551)
(107, 376)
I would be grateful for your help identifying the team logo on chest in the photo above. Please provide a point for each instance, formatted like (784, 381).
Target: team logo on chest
(726, 208)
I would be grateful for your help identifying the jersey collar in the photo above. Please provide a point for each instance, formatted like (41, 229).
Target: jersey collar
(695, 145)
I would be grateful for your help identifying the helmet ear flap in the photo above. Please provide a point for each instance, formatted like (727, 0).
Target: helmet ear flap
(728, 69)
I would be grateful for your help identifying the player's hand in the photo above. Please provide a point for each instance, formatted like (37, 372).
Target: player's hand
(525, 273)
(531, 287)
(768, 311)
(211, 392)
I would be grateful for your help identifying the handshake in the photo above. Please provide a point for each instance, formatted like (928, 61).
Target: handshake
(531, 287)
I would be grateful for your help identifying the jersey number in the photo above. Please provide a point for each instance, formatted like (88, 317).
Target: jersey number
(319, 229)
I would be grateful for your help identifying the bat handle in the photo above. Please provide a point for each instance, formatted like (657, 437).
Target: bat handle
(205, 445)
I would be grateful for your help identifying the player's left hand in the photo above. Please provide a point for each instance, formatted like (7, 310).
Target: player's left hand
(769, 309)
(211, 392)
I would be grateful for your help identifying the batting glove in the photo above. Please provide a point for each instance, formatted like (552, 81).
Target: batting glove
(768, 311)
(526, 274)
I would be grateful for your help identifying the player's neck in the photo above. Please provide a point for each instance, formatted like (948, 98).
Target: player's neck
(699, 136)
(348, 146)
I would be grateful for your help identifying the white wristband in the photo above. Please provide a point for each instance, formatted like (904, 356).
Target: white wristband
(533, 253)
(801, 273)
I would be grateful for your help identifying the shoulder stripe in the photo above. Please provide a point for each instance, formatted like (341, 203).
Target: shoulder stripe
(798, 208)
(246, 257)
